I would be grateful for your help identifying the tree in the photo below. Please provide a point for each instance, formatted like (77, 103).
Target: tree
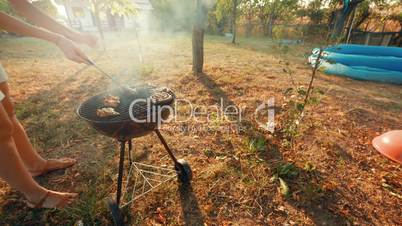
(198, 36)
(215, 26)
(270, 11)
(115, 7)
(315, 11)
(173, 14)
(342, 15)
(228, 7)
(5, 7)
(248, 10)
(46, 6)
(234, 18)
(362, 13)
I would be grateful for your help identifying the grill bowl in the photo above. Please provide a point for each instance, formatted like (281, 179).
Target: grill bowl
(122, 127)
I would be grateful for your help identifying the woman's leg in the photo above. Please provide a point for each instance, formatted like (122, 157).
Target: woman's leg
(11, 167)
(13, 171)
(32, 160)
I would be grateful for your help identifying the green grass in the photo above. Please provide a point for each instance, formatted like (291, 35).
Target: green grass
(267, 46)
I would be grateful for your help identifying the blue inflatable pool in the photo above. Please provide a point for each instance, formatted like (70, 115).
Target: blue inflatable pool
(366, 50)
(372, 63)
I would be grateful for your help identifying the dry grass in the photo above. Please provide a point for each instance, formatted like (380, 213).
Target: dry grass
(339, 178)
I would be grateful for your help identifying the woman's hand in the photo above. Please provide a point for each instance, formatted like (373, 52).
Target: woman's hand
(90, 40)
(71, 51)
(87, 39)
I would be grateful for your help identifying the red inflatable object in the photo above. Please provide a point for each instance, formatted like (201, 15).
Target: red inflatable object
(390, 145)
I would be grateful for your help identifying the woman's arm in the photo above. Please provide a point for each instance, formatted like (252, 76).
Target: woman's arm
(17, 26)
(36, 16)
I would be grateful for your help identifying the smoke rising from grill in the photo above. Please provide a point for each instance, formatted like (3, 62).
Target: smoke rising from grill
(171, 18)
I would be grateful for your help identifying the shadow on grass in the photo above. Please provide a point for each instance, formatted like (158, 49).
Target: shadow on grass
(316, 201)
(192, 214)
(214, 89)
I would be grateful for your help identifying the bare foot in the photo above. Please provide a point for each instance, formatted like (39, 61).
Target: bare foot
(52, 199)
(52, 165)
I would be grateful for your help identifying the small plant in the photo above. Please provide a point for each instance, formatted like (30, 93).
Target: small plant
(287, 170)
(214, 120)
(209, 153)
(282, 172)
(257, 144)
(289, 71)
(309, 167)
(283, 187)
(295, 106)
(298, 98)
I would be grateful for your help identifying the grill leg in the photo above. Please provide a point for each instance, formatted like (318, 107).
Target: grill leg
(130, 147)
(120, 176)
(169, 151)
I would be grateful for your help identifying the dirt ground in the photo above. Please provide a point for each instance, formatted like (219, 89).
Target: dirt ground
(329, 172)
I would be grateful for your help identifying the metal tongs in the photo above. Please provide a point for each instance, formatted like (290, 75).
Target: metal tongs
(116, 82)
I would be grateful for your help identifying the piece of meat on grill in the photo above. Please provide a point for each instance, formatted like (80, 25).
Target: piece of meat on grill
(111, 101)
(106, 112)
(161, 97)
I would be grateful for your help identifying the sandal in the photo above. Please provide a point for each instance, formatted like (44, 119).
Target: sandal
(62, 202)
(45, 169)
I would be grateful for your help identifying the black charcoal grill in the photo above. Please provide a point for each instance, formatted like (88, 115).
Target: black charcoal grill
(153, 106)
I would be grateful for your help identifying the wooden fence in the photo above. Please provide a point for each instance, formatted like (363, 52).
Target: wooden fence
(376, 38)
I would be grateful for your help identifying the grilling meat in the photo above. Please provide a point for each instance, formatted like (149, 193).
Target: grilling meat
(106, 112)
(162, 95)
(111, 101)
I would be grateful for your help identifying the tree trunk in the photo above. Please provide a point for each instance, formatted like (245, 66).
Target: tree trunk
(66, 7)
(382, 31)
(263, 27)
(198, 50)
(361, 20)
(271, 19)
(367, 25)
(342, 16)
(270, 27)
(234, 9)
(249, 28)
(111, 20)
(98, 21)
(198, 38)
(340, 19)
(350, 26)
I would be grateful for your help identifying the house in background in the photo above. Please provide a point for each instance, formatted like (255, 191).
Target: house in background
(80, 16)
